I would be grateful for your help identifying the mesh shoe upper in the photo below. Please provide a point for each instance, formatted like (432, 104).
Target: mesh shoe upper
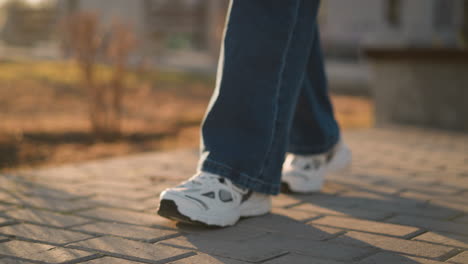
(306, 173)
(210, 190)
(212, 200)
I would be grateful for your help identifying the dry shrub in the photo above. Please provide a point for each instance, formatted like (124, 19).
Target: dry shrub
(118, 51)
(83, 38)
(8, 150)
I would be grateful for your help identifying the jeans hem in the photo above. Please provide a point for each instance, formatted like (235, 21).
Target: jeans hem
(279, 85)
(239, 178)
(306, 150)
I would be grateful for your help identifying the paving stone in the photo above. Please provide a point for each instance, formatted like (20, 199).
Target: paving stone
(128, 231)
(430, 224)
(310, 247)
(417, 167)
(54, 192)
(462, 219)
(157, 185)
(206, 259)
(122, 194)
(151, 204)
(10, 197)
(435, 191)
(43, 234)
(283, 200)
(6, 207)
(455, 182)
(459, 207)
(333, 187)
(68, 173)
(365, 225)
(461, 258)
(246, 251)
(40, 252)
(266, 247)
(398, 245)
(54, 204)
(5, 221)
(301, 259)
(297, 215)
(15, 183)
(126, 216)
(431, 210)
(342, 211)
(237, 233)
(444, 239)
(387, 257)
(110, 260)
(7, 198)
(285, 226)
(118, 202)
(132, 250)
(45, 217)
(58, 190)
(116, 185)
(374, 195)
(406, 206)
(454, 198)
(353, 183)
(14, 261)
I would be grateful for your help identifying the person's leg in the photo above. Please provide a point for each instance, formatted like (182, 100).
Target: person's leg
(245, 131)
(314, 129)
(264, 56)
(314, 146)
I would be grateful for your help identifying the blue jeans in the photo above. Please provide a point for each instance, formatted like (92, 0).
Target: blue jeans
(271, 94)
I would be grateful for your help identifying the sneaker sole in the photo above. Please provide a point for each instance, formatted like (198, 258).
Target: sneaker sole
(168, 208)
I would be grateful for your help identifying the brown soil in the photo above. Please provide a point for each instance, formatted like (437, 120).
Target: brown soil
(44, 124)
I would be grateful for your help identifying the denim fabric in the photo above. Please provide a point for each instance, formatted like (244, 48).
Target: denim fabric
(271, 94)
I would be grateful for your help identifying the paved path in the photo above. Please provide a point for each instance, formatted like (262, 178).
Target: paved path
(404, 201)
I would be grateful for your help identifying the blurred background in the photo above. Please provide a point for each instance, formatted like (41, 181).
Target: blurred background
(84, 79)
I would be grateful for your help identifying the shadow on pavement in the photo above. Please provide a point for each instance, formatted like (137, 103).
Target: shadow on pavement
(105, 210)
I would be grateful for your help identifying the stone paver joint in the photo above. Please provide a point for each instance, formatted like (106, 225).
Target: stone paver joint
(406, 203)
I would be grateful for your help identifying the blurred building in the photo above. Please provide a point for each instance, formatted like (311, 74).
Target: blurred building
(188, 32)
(346, 25)
(193, 28)
(25, 26)
(178, 32)
(169, 31)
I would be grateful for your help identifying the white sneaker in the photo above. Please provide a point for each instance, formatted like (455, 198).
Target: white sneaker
(210, 199)
(306, 173)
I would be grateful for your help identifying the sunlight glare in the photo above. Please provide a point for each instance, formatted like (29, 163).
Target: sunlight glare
(34, 2)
